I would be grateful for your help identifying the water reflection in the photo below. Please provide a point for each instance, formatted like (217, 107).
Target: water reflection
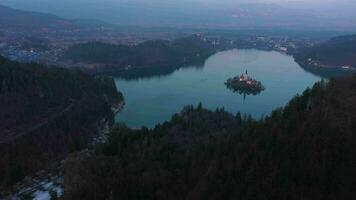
(154, 72)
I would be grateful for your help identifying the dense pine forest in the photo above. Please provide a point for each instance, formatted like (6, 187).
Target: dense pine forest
(305, 150)
(46, 113)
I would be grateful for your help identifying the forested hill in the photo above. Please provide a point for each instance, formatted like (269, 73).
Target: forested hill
(337, 52)
(303, 151)
(47, 113)
(110, 57)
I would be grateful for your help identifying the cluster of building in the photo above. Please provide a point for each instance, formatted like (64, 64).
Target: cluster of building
(247, 79)
(14, 46)
(245, 84)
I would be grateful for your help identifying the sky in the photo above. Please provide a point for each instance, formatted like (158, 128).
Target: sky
(237, 13)
(206, 2)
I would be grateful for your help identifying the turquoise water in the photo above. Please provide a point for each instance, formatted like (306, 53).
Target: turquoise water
(155, 99)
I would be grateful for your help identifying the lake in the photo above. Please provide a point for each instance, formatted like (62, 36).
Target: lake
(154, 99)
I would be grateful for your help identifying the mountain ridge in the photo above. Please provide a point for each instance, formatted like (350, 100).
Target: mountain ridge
(16, 19)
(173, 14)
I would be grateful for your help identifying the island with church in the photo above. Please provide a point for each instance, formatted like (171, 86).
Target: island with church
(244, 84)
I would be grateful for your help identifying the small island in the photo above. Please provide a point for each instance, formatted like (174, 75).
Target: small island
(245, 84)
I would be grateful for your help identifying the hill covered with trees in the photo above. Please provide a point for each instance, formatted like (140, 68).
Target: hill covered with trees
(337, 52)
(157, 53)
(47, 113)
(305, 150)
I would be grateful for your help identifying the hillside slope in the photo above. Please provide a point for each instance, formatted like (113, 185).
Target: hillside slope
(47, 113)
(337, 52)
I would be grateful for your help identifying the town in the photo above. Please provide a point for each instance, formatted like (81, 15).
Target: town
(49, 48)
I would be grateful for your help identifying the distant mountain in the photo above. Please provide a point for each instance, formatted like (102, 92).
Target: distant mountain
(14, 19)
(184, 13)
(17, 19)
(336, 53)
(200, 14)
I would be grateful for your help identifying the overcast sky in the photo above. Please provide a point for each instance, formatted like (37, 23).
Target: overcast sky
(197, 11)
(306, 2)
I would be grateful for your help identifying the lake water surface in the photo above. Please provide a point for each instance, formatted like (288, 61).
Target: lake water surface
(155, 99)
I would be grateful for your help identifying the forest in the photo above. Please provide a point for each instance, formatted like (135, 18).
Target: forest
(337, 52)
(46, 113)
(156, 53)
(305, 150)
